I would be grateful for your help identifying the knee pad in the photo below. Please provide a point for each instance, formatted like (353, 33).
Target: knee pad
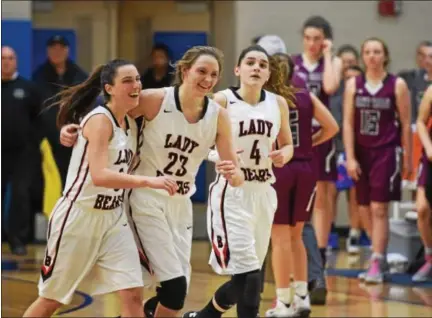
(172, 293)
(252, 289)
(248, 304)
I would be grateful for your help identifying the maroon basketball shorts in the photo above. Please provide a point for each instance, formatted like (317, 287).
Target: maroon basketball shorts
(295, 189)
(325, 161)
(380, 178)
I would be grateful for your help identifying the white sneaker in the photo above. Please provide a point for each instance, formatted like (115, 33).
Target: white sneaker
(352, 245)
(362, 275)
(280, 310)
(302, 307)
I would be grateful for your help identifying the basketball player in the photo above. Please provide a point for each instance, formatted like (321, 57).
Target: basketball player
(377, 115)
(181, 125)
(295, 188)
(423, 206)
(322, 73)
(89, 238)
(240, 219)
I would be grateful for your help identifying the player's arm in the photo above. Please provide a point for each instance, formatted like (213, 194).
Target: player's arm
(403, 104)
(284, 139)
(221, 99)
(150, 102)
(425, 110)
(332, 69)
(353, 167)
(329, 126)
(98, 131)
(228, 166)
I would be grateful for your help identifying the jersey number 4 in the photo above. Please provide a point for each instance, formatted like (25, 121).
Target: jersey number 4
(255, 153)
(174, 157)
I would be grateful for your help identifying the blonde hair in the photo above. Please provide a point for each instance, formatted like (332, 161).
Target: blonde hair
(190, 57)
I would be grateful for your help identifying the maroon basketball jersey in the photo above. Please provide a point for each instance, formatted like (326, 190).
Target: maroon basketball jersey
(313, 78)
(301, 121)
(376, 114)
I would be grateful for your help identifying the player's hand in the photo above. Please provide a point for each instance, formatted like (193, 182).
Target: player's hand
(281, 157)
(226, 168)
(164, 183)
(353, 169)
(69, 134)
(327, 46)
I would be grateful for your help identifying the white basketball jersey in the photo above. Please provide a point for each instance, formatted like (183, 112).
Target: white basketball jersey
(255, 128)
(122, 147)
(174, 147)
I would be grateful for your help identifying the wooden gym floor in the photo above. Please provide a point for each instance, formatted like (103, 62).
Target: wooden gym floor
(347, 296)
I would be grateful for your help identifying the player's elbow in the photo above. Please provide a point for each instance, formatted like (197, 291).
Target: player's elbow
(98, 178)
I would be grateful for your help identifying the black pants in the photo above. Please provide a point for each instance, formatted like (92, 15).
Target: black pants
(17, 167)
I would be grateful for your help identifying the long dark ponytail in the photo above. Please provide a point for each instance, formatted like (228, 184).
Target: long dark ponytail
(76, 101)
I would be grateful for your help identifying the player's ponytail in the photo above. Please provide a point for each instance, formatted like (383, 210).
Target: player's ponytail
(77, 100)
(281, 72)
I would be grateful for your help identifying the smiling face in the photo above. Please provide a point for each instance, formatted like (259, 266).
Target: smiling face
(125, 86)
(254, 69)
(202, 76)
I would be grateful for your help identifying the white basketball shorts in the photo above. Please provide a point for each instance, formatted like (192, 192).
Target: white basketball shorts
(164, 227)
(90, 250)
(239, 222)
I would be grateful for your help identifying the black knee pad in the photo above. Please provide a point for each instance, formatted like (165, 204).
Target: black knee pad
(252, 289)
(172, 293)
(248, 304)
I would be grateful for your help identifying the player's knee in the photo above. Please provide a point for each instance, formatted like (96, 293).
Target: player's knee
(172, 294)
(379, 210)
(50, 305)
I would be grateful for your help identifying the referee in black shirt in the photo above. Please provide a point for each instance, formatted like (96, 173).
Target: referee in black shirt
(20, 105)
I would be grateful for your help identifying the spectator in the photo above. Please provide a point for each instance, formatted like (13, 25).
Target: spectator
(57, 73)
(350, 61)
(160, 73)
(420, 78)
(349, 56)
(20, 106)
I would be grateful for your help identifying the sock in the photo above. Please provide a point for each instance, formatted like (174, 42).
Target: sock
(284, 295)
(210, 311)
(378, 256)
(301, 288)
(323, 256)
(354, 233)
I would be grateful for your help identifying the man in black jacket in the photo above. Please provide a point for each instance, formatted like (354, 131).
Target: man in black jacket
(57, 73)
(19, 109)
